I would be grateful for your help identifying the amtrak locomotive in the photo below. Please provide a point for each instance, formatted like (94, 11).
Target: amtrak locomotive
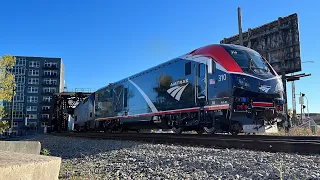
(216, 88)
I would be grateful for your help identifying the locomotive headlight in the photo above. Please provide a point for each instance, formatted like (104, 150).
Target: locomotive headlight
(243, 83)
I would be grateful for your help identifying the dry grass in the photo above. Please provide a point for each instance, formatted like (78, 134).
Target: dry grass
(296, 131)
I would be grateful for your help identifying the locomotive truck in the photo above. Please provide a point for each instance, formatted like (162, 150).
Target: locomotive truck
(215, 88)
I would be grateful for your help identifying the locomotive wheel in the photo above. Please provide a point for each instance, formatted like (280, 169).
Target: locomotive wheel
(200, 131)
(208, 130)
(122, 130)
(177, 130)
(235, 129)
(235, 133)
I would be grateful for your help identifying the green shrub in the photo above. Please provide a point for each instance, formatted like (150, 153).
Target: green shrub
(4, 126)
(45, 152)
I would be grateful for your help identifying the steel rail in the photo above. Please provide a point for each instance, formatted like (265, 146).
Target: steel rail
(289, 144)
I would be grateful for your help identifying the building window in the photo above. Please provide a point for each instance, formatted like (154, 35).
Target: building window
(44, 124)
(49, 89)
(50, 73)
(47, 98)
(45, 116)
(21, 62)
(32, 116)
(32, 125)
(19, 79)
(34, 64)
(15, 124)
(17, 106)
(32, 89)
(20, 88)
(18, 70)
(33, 81)
(33, 72)
(32, 108)
(45, 107)
(16, 115)
(19, 97)
(50, 81)
(51, 64)
(32, 99)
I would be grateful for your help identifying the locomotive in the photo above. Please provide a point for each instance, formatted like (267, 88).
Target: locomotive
(215, 88)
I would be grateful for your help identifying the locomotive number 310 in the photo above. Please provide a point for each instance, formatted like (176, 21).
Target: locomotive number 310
(222, 77)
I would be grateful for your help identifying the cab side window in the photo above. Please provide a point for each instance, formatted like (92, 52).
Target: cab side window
(213, 67)
(187, 69)
(201, 70)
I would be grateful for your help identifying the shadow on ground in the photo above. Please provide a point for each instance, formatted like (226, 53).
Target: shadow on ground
(74, 147)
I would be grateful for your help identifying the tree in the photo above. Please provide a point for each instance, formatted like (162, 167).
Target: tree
(7, 84)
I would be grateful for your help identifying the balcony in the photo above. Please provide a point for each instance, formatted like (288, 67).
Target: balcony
(45, 119)
(50, 67)
(46, 110)
(50, 75)
(49, 84)
(46, 102)
(47, 93)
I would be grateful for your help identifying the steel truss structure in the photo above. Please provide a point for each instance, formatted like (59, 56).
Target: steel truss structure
(63, 105)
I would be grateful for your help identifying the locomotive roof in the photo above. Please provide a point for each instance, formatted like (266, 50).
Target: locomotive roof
(234, 46)
(139, 73)
(211, 46)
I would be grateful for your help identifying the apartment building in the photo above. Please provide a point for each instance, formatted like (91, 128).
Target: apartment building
(37, 79)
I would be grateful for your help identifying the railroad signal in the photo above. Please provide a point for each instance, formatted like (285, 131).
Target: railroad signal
(301, 100)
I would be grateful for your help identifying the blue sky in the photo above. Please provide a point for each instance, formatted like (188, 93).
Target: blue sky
(103, 41)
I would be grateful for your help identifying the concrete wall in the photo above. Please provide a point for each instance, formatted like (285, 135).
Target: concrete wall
(29, 147)
(28, 166)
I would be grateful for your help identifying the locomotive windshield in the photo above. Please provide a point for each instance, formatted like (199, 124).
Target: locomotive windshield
(250, 61)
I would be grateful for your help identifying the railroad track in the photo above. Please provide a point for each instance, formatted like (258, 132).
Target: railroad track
(289, 144)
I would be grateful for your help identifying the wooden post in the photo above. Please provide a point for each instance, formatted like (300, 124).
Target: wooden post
(283, 71)
(294, 106)
(240, 26)
(301, 105)
(12, 109)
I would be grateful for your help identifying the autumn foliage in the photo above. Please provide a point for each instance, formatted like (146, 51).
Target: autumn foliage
(7, 84)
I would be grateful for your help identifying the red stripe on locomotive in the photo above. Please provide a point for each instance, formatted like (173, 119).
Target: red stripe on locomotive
(220, 55)
(262, 104)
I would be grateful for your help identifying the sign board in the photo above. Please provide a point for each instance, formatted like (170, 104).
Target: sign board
(301, 100)
(271, 40)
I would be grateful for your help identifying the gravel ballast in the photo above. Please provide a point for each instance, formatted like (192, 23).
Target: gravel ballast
(112, 159)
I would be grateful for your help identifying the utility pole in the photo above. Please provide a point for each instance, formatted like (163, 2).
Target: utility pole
(294, 104)
(301, 105)
(283, 70)
(240, 26)
(12, 109)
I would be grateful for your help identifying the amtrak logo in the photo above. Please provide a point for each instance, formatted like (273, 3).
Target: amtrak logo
(264, 88)
(184, 81)
(178, 88)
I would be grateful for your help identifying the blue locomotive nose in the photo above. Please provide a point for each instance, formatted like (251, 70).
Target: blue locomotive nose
(247, 83)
